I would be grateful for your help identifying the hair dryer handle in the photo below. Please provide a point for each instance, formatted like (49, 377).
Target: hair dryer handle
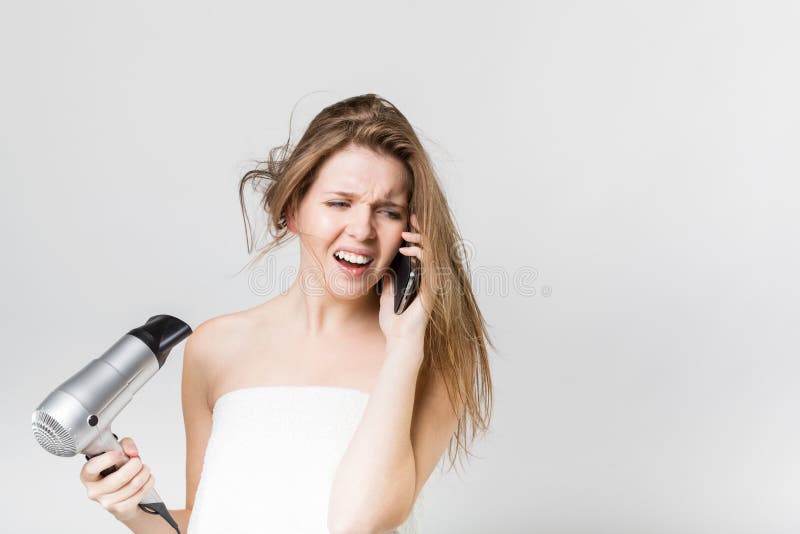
(106, 441)
(152, 503)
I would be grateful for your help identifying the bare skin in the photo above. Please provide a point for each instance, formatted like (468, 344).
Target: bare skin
(337, 337)
(271, 351)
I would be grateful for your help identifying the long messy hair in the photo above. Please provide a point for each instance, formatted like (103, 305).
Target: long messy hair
(457, 337)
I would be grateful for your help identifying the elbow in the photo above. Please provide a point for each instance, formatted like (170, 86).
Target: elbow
(362, 525)
(370, 516)
(350, 527)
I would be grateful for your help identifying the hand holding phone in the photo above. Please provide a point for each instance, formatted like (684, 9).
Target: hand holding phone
(405, 273)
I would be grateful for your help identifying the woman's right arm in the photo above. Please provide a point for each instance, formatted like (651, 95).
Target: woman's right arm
(122, 491)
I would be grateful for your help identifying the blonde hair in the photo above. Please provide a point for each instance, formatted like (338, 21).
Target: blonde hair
(456, 338)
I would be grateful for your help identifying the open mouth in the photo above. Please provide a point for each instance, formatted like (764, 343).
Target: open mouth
(352, 260)
(353, 264)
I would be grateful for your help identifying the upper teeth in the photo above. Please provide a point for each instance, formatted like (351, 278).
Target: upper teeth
(353, 258)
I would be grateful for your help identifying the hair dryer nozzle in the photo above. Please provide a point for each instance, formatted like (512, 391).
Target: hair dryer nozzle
(160, 333)
(52, 435)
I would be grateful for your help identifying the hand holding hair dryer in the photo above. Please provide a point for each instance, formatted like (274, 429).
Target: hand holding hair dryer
(76, 417)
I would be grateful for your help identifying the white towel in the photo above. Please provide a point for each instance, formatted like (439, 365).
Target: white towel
(271, 458)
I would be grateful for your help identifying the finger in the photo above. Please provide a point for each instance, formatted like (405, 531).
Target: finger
(131, 488)
(91, 469)
(412, 251)
(129, 506)
(118, 478)
(139, 495)
(388, 285)
(412, 237)
(129, 446)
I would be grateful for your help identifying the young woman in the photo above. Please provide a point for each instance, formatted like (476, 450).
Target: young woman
(321, 410)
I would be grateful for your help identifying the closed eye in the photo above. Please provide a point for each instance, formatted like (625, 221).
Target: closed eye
(340, 204)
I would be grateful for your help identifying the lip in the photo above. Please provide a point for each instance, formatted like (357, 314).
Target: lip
(353, 271)
(354, 250)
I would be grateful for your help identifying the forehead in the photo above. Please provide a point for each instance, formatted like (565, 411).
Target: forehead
(362, 171)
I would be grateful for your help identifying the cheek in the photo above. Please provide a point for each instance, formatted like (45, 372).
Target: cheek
(326, 224)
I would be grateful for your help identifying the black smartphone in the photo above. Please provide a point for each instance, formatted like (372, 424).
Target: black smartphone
(405, 272)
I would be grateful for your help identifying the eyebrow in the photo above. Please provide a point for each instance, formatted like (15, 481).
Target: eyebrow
(381, 203)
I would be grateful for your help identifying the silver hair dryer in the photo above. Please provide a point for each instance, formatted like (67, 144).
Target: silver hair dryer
(77, 416)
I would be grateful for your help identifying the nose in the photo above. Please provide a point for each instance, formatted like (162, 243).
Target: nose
(359, 224)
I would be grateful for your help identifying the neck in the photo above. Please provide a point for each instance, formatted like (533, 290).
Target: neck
(320, 314)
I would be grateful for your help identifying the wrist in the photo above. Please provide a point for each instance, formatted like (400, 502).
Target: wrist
(133, 519)
(405, 349)
(401, 343)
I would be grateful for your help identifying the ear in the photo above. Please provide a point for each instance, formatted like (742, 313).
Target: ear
(289, 216)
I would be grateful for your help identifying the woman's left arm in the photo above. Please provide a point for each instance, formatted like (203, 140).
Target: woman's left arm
(400, 438)
(375, 483)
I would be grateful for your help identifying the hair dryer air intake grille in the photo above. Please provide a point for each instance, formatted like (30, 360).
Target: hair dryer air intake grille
(51, 435)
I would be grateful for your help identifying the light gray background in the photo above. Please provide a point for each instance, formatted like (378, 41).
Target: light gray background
(638, 160)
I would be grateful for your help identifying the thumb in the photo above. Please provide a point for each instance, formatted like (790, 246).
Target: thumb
(388, 284)
(129, 447)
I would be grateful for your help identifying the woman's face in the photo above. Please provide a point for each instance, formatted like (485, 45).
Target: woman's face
(357, 204)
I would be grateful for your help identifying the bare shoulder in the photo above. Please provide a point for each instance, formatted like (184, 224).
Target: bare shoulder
(214, 338)
(201, 354)
(213, 332)
(217, 344)
(206, 352)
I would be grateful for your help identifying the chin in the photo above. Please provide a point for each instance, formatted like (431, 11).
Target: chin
(344, 287)
(351, 294)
